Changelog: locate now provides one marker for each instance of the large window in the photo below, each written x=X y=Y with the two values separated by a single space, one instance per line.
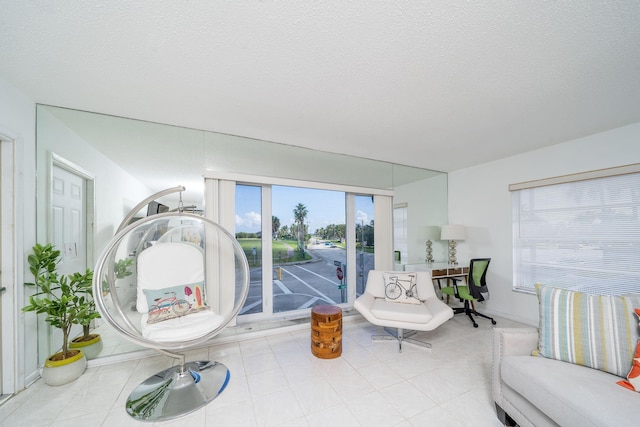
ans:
x=583 y=234
x=305 y=245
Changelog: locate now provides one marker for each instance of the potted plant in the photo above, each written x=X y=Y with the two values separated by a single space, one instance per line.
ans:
x=63 y=299
x=89 y=343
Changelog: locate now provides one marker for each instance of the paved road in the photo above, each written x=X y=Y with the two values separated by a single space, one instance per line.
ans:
x=303 y=285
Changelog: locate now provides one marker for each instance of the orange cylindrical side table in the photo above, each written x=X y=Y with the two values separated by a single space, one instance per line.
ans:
x=326 y=331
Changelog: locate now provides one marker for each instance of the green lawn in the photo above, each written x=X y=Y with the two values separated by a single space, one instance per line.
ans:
x=283 y=251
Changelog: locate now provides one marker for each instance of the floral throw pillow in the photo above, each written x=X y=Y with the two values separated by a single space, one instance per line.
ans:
x=633 y=378
x=174 y=301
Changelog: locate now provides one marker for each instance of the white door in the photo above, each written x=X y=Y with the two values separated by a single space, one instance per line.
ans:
x=68 y=233
x=69 y=219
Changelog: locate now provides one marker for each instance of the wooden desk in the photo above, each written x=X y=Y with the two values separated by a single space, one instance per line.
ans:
x=440 y=270
x=449 y=271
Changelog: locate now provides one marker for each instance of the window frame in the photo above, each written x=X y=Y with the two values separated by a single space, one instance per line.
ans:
x=584 y=243
x=220 y=207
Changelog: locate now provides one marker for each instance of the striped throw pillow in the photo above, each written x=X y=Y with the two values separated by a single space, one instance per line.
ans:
x=590 y=330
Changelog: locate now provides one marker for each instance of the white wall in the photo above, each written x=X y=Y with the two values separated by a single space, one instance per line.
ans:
x=480 y=199
x=18 y=121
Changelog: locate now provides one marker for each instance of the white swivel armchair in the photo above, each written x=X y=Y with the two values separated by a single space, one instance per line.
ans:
x=403 y=303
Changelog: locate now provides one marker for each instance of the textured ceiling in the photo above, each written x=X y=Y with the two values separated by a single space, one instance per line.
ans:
x=436 y=84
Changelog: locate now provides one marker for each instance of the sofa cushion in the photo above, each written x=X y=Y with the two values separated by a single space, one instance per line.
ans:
x=597 y=331
x=183 y=328
x=570 y=394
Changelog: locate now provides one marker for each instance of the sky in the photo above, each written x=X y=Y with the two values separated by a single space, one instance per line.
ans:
x=324 y=207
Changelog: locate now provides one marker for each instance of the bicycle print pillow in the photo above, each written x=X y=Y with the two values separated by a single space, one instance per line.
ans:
x=174 y=301
x=401 y=287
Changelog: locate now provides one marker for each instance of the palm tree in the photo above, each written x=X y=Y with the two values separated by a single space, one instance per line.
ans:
x=284 y=232
x=300 y=213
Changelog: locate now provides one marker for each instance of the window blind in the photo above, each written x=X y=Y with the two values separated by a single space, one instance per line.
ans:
x=582 y=235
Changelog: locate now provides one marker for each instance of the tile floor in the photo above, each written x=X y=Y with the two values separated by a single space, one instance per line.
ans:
x=276 y=381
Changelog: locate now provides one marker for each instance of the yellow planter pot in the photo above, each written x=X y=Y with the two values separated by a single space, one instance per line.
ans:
x=58 y=372
x=91 y=348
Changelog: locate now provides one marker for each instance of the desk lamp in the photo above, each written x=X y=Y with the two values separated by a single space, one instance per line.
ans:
x=452 y=233
x=432 y=234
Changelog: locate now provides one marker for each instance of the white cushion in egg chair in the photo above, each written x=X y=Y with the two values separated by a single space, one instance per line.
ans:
x=167 y=269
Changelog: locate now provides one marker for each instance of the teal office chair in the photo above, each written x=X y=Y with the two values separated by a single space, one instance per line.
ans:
x=475 y=289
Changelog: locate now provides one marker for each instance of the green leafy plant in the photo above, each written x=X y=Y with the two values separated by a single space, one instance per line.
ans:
x=65 y=300
x=88 y=313
x=121 y=269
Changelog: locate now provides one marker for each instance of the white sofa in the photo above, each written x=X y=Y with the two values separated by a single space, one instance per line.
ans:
x=537 y=391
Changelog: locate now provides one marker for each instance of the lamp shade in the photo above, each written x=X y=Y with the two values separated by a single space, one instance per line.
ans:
x=452 y=232
x=432 y=232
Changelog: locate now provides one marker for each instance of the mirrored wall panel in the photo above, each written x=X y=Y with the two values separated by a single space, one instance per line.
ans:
x=93 y=169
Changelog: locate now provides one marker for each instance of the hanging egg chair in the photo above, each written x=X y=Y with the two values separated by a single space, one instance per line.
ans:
x=170 y=282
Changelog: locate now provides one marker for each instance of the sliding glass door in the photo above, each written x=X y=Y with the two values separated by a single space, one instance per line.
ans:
x=248 y=220
x=307 y=256
x=365 y=239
